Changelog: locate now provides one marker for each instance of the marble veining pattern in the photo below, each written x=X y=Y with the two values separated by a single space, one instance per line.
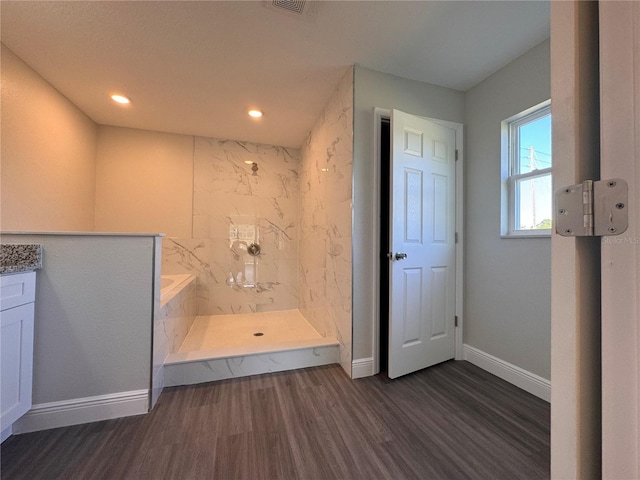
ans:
x=234 y=207
x=20 y=258
x=222 y=368
x=324 y=268
x=172 y=322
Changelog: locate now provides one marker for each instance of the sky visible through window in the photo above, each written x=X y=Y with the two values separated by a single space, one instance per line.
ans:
x=535 y=193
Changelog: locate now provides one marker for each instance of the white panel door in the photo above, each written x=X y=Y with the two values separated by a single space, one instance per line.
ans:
x=620 y=158
x=422 y=274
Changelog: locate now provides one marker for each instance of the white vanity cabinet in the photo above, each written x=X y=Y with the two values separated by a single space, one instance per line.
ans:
x=17 y=297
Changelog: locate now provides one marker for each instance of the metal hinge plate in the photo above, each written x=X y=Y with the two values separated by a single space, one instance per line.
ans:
x=456 y=321
x=592 y=209
x=456 y=154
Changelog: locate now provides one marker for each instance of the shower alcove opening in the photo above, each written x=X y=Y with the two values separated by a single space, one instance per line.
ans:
x=258 y=252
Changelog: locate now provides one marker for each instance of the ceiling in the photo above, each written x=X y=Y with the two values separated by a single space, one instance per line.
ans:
x=197 y=67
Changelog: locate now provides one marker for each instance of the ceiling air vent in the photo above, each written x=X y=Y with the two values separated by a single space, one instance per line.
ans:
x=305 y=10
x=292 y=6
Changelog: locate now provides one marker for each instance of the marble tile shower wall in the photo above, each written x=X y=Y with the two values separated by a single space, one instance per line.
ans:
x=325 y=270
x=233 y=207
x=171 y=324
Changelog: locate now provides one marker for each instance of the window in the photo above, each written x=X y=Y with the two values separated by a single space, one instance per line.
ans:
x=526 y=172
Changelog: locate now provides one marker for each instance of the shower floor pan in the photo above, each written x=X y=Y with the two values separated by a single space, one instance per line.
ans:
x=230 y=346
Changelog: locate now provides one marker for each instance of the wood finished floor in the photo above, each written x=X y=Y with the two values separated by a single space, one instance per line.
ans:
x=452 y=421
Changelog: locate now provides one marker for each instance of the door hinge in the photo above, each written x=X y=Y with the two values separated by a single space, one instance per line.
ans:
x=456 y=321
x=456 y=154
x=591 y=208
x=456 y=237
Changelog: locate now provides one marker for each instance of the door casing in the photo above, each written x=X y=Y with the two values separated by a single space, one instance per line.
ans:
x=378 y=115
x=575 y=261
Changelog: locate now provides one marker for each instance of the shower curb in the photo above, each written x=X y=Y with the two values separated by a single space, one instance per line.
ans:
x=202 y=370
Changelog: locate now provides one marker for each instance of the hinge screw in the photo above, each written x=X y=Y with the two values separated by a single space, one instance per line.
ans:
x=611 y=184
x=562 y=211
x=619 y=206
x=613 y=229
x=568 y=231
x=567 y=190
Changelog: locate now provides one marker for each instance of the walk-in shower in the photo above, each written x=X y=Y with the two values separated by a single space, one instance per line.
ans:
x=271 y=251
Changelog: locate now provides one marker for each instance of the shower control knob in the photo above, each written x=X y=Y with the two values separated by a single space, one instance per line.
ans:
x=253 y=249
x=401 y=256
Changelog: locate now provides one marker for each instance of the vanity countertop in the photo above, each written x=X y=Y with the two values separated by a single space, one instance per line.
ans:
x=20 y=258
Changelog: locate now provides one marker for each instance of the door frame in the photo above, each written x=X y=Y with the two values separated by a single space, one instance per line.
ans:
x=575 y=261
x=378 y=115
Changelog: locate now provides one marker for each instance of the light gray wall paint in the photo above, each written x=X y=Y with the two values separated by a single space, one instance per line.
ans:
x=375 y=89
x=507 y=307
x=93 y=315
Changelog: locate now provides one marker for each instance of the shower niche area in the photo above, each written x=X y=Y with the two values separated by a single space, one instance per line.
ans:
x=271 y=252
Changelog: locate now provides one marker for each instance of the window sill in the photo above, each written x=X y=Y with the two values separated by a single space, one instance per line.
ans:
x=525 y=235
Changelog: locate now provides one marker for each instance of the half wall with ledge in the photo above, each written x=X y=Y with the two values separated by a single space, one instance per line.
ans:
x=94 y=311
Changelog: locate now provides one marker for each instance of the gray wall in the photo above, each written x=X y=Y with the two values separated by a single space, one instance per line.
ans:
x=507 y=307
x=93 y=315
x=375 y=89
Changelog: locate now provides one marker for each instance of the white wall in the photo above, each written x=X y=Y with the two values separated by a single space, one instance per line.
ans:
x=48 y=155
x=375 y=89
x=144 y=181
x=507 y=281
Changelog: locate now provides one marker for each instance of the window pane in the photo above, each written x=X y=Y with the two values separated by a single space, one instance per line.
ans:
x=535 y=145
x=533 y=200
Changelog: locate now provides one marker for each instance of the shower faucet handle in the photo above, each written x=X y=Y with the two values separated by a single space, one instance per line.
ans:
x=253 y=249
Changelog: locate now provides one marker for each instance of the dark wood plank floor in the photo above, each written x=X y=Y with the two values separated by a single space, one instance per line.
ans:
x=452 y=421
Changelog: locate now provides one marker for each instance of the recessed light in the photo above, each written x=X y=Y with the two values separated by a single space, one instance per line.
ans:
x=255 y=113
x=121 y=99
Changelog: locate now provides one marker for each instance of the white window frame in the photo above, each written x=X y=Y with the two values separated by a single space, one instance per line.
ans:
x=510 y=177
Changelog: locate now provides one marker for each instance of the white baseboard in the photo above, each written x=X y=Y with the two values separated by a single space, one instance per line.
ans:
x=362 y=367
x=83 y=410
x=529 y=382
x=6 y=433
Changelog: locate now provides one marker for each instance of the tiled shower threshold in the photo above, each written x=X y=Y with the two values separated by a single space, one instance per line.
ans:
x=231 y=346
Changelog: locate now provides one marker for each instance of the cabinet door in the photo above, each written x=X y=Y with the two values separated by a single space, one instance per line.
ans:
x=16 y=363
x=17 y=289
